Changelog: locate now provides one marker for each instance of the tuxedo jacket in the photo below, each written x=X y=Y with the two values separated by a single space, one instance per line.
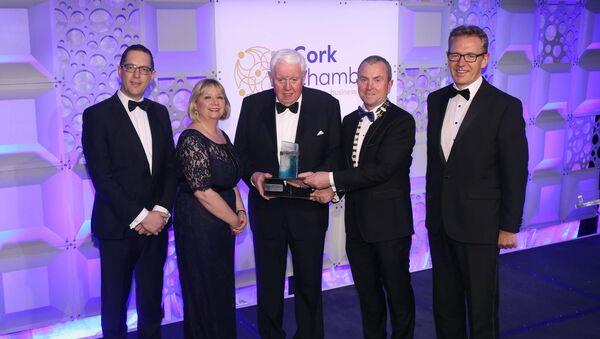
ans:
x=318 y=136
x=377 y=192
x=480 y=189
x=119 y=169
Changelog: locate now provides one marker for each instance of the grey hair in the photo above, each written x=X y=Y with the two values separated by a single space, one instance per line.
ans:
x=289 y=56
x=469 y=30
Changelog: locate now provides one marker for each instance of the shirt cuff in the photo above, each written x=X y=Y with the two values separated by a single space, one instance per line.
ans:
x=331 y=182
x=252 y=181
x=139 y=218
x=159 y=208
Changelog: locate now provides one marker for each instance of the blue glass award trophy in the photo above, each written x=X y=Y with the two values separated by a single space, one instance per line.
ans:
x=288 y=160
x=287 y=184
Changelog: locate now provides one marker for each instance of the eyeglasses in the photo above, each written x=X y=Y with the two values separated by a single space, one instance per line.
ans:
x=470 y=58
x=129 y=68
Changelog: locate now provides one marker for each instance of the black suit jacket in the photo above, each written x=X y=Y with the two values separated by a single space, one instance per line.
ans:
x=377 y=192
x=118 y=167
x=318 y=136
x=480 y=189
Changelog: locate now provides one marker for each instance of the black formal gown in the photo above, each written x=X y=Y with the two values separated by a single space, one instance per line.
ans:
x=204 y=243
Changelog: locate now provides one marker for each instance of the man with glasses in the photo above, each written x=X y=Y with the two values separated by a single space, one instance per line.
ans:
x=128 y=146
x=476 y=177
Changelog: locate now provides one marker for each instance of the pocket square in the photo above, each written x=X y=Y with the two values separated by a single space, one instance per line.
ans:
x=320 y=133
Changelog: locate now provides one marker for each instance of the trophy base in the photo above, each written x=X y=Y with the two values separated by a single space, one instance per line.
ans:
x=282 y=188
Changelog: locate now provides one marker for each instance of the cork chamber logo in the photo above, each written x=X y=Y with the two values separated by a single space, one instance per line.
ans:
x=251 y=70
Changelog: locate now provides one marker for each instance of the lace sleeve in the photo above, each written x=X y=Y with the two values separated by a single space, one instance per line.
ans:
x=193 y=157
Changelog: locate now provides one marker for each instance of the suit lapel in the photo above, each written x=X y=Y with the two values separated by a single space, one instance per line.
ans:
x=372 y=131
x=375 y=126
x=304 y=120
x=445 y=97
x=350 y=132
x=155 y=132
x=268 y=119
x=474 y=110
x=476 y=107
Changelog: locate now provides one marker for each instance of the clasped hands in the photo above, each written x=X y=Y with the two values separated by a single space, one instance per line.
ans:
x=320 y=181
x=237 y=224
x=152 y=224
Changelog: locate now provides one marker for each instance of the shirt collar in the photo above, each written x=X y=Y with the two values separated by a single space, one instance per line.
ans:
x=125 y=99
x=473 y=87
x=299 y=101
x=374 y=110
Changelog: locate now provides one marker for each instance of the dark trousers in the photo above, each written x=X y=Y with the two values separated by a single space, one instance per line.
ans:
x=465 y=282
x=307 y=259
x=381 y=271
x=145 y=257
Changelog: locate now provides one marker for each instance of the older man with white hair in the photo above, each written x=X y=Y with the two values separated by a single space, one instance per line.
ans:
x=289 y=112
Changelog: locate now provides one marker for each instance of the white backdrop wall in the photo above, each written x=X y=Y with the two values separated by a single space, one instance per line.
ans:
x=59 y=56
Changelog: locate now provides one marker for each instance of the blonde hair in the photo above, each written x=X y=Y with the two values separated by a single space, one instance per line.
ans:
x=199 y=90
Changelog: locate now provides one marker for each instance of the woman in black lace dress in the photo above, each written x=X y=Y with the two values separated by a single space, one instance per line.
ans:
x=208 y=214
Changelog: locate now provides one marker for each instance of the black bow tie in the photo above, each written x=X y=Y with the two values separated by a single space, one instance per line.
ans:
x=362 y=113
x=465 y=93
x=141 y=104
x=281 y=107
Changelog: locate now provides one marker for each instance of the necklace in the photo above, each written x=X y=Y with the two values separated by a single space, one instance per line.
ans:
x=215 y=134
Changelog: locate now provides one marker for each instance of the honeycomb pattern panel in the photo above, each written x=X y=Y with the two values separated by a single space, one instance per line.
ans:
x=579 y=150
x=414 y=85
x=480 y=13
x=595 y=157
x=92 y=36
x=174 y=93
x=558 y=33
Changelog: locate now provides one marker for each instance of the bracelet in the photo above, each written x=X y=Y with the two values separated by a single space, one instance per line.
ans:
x=238 y=211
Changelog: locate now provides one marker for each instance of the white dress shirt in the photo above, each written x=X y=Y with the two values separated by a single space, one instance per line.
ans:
x=139 y=119
x=286 y=124
x=455 y=113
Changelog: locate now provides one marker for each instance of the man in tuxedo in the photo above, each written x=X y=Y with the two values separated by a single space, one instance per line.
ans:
x=289 y=112
x=128 y=146
x=377 y=143
x=476 y=177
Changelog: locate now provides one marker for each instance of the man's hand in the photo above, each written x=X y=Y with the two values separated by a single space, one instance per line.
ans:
x=317 y=180
x=507 y=239
x=154 y=222
x=141 y=230
x=322 y=196
x=258 y=179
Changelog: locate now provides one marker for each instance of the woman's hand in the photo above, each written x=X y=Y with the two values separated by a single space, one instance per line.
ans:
x=242 y=221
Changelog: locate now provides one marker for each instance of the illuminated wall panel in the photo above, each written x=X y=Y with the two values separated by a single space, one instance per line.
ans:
x=57 y=57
